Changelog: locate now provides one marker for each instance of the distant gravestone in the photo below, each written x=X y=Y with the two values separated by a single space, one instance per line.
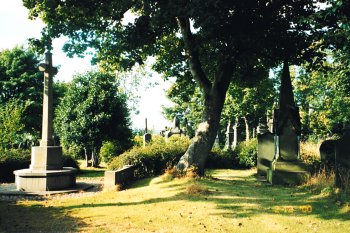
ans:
x=175 y=129
x=229 y=136
x=266 y=149
x=147 y=137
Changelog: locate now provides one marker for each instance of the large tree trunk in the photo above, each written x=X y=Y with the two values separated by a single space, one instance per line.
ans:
x=197 y=153
x=214 y=98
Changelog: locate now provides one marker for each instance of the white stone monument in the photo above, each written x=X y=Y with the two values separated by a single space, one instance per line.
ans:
x=46 y=172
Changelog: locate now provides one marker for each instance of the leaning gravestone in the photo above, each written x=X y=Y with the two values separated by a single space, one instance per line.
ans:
x=266 y=149
x=286 y=167
x=46 y=172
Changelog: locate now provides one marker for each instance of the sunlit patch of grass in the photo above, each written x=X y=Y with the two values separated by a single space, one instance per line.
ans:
x=237 y=202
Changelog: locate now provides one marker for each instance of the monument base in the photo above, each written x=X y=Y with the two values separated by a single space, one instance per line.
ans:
x=287 y=173
x=45 y=180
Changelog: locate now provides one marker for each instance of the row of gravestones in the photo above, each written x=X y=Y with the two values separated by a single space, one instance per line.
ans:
x=335 y=155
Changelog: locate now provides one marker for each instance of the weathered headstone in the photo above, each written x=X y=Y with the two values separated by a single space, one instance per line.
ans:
x=46 y=171
x=286 y=168
x=147 y=137
x=266 y=149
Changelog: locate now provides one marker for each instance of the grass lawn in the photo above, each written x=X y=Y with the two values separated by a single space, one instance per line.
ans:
x=232 y=201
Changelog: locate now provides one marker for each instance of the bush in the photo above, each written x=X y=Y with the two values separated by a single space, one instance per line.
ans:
x=16 y=159
x=109 y=150
x=11 y=160
x=247 y=153
x=154 y=158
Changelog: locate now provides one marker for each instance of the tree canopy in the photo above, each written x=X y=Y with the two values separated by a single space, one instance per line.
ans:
x=216 y=41
x=91 y=112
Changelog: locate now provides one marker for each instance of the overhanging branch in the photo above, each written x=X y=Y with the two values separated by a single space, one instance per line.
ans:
x=193 y=56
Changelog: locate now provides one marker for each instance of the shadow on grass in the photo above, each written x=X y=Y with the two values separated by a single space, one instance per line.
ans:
x=15 y=217
x=245 y=196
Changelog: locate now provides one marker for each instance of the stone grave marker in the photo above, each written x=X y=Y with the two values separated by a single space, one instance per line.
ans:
x=266 y=149
x=147 y=137
x=286 y=167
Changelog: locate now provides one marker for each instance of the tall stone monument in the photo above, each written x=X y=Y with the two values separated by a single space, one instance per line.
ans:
x=229 y=136
x=286 y=168
x=46 y=172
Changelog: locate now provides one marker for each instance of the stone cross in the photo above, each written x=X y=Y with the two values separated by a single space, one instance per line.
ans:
x=47 y=123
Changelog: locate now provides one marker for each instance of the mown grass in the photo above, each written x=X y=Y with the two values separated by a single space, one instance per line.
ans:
x=233 y=201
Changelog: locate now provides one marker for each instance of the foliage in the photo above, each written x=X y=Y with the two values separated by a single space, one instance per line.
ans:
x=154 y=158
x=209 y=43
x=11 y=124
x=21 y=79
x=324 y=95
x=16 y=159
x=247 y=153
x=109 y=150
x=93 y=111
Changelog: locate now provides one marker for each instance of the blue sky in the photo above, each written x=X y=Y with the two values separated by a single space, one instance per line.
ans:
x=16 y=28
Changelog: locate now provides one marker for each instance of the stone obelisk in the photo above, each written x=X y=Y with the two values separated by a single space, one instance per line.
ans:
x=286 y=168
x=46 y=172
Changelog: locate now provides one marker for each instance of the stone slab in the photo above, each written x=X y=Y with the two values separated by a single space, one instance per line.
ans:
x=121 y=176
x=286 y=177
x=11 y=190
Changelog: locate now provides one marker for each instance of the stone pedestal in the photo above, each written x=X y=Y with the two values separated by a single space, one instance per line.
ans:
x=45 y=180
x=287 y=173
x=46 y=158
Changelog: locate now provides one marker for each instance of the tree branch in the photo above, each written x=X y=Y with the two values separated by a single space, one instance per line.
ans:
x=194 y=62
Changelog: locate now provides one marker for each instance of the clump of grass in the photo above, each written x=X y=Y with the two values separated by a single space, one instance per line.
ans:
x=322 y=182
x=196 y=189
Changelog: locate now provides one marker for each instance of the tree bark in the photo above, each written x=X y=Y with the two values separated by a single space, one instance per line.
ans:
x=203 y=141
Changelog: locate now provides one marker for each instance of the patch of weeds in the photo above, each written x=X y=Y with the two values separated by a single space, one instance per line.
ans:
x=196 y=189
x=321 y=182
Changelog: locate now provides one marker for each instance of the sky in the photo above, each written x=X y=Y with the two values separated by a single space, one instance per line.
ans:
x=16 y=28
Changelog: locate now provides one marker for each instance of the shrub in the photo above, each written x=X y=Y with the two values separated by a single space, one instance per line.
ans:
x=247 y=153
x=219 y=158
x=154 y=158
x=16 y=159
x=109 y=150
